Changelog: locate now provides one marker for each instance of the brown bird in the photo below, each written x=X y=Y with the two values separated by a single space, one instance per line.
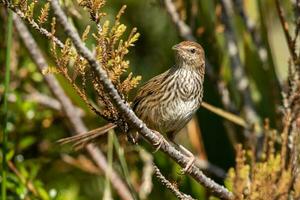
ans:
x=168 y=101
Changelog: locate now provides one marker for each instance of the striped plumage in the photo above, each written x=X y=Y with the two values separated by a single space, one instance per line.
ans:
x=167 y=102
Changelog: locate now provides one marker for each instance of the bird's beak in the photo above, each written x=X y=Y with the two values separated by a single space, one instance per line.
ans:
x=175 y=47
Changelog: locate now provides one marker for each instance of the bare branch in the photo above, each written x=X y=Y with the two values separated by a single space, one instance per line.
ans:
x=184 y=30
x=69 y=109
x=131 y=118
x=169 y=185
x=285 y=28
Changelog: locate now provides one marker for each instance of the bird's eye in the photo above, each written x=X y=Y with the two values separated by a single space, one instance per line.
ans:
x=193 y=50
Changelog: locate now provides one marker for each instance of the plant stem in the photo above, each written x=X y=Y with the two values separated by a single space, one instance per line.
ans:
x=110 y=153
x=120 y=153
x=5 y=109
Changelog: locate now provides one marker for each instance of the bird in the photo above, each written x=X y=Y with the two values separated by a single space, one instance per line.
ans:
x=168 y=101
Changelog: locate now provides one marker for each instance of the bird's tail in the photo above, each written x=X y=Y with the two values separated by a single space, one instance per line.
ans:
x=81 y=140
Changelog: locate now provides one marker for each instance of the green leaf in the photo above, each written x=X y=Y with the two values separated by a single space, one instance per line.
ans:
x=26 y=142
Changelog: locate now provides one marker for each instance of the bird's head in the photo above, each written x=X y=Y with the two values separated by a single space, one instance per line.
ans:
x=189 y=54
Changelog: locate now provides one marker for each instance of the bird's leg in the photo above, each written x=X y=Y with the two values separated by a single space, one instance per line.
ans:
x=184 y=151
x=191 y=159
x=160 y=141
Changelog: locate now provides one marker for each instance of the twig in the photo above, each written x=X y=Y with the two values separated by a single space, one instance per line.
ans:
x=296 y=6
x=239 y=75
x=169 y=185
x=285 y=28
x=183 y=29
x=69 y=109
x=33 y=24
x=147 y=183
x=124 y=108
x=226 y=115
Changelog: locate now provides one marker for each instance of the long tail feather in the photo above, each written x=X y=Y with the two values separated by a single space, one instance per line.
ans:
x=83 y=139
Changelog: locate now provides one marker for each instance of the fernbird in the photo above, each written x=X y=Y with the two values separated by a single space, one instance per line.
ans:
x=168 y=101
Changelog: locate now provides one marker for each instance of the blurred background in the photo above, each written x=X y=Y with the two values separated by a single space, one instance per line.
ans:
x=248 y=65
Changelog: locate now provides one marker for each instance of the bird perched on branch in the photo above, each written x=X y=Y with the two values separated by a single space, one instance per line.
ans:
x=168 y=101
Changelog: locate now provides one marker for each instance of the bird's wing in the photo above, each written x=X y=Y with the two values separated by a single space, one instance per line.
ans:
x=150 y=88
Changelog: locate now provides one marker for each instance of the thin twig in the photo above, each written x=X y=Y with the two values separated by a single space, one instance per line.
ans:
x=34 y=24
x=69 y=109
x=285 y=28
x=296 y=8
x=169 y=185
x=124 y=108
x=226 y=115
x=183 y=29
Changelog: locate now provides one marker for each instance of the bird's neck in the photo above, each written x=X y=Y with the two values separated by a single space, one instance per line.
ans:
x=198 y=69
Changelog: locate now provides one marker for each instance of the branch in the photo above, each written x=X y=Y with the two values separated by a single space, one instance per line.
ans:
x=33 y=24
x=285 y=28
x=69 y=109
x=183 y=28
x=128 y=114
x=226 y=115
x=169 y=185
x=296 y=8
x=239 y=75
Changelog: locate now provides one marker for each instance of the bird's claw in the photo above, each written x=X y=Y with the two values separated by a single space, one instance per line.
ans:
x=189 y=165
x=191 y=161
x=160 y=141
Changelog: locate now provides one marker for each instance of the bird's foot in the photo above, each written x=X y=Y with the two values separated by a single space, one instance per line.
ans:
x=188 y=167
x=191 y=161
x=160 y=141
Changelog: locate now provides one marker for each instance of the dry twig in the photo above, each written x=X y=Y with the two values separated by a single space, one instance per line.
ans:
x=169 y=185
x=285 y=28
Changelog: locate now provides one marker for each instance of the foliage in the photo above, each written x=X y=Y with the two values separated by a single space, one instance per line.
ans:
x=110 y=50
